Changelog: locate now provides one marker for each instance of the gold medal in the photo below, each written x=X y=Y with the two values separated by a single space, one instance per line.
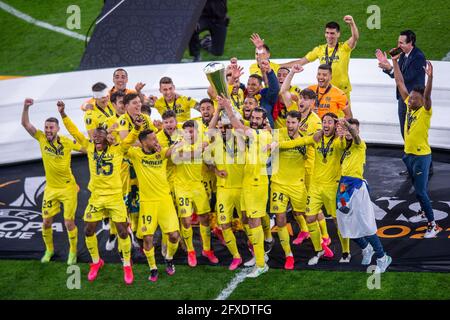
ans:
x=324 y=160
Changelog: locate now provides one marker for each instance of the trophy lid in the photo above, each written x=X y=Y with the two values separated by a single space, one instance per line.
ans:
x=213 y=67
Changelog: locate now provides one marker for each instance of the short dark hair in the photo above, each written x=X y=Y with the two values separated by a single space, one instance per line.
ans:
x=325 y=67
x=353 y=121
x=169 y=114
x=333 y=25
x=284 y=68
x=308 y=93
x=146 y=108
x=419 y=89
x=116 y=95
x=120 y=69
x=190 y=124
x=410 y=36
x=265 y=46
x=294 y=114
x=52 y=119
x=99 y=86
x=143 y=134
x=165 y=80
x=252 y=97
x=101 y=128
x=206 y=100
x=128 y=97
x=330 y=114
x=257 y=77
x=263 y=111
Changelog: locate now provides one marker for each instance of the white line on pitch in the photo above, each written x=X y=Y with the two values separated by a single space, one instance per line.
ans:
x=45 y=25
x=240 y=277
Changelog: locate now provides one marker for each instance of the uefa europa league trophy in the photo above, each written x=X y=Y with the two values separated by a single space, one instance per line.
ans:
x=215 y=72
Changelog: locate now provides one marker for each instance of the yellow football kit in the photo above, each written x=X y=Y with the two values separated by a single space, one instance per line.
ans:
x=416 y=128
x=182 y=106
x=339 y=66
x=105 y=182
x=353 y=160
x=99 y=117
x=156 y=206
x=288 y=175
x=60 y=187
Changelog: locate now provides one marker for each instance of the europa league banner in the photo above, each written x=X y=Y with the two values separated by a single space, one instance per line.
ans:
x=22 y=187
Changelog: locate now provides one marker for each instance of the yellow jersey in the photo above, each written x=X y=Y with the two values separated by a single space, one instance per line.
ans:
x=104 y=166
x=280 y=121
x=125 y=123
x=417 y=124
x=228 y=155
x=188 y=171
x=289 y=165
x=167 y=141
x=254 y=68
x=339 y=64
x=182 y=106
x=327 y=161
x=308 y=126
x=353 y=160
x=255 y=170
x=99 y=117
x=151 y=173
x=56 y=157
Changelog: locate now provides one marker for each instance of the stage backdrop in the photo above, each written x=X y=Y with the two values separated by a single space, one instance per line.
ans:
x=141 y=32
x=22 y=186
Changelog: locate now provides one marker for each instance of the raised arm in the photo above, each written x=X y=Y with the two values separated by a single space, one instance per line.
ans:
x=284 y=91
x=301 y=62
x=429 y=85
x=399 y=78
x=226 y=104
x=354 y=29
x=354 y=133
x=26 y=118
x=273 y=86
x=71 y=127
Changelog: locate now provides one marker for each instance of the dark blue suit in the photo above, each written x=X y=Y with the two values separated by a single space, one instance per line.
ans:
x=413 y=75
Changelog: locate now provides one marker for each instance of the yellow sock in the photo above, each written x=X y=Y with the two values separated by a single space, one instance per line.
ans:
x=247 y=230
x=257 y=238
x=314 y=232
x=47 y=235
x=150 y=254
x=187 y=236
x=301 y=222
x=125 y=246
x=92 y=246
x=73 y=240
x=165 y=239
x=283 y=234
x=171 y=249
x=323 y=228
x=265 y=222
x=205 y=232
x=345 y=243
x=112 y=228
x=230 y=241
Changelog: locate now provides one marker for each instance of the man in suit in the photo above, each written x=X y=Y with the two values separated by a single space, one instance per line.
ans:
x=412 y=62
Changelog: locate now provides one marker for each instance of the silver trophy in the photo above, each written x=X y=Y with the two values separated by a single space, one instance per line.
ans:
x=215 y=72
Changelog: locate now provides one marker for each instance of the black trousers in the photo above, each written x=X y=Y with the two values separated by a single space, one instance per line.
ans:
x=218 y=30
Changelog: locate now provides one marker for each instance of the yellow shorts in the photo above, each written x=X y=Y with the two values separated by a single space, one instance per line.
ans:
x=227 y=201
x=111 y=205
x=134 y=219
x=209 y=182
x=188 y=198
x=54 y=198
x=154 y=213
x=254 y=200
x=318 y=196
x=280 y=195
